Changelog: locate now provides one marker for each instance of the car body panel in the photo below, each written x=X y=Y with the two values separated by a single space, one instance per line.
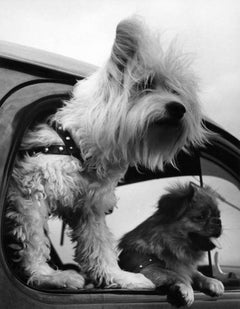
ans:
x=42 y=59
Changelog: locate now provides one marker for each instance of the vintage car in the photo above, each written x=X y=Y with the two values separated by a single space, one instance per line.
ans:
x=33 y=84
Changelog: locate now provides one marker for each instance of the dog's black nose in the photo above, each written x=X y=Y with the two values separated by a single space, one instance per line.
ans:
x=108 y=212
x=175 y=110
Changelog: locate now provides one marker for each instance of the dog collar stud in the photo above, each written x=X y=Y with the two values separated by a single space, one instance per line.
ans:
x=136 y=261
x=141 y=266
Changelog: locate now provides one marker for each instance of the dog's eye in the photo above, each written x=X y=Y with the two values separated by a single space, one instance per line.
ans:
x=171 y=90
x=200 y=217
x=147 y=85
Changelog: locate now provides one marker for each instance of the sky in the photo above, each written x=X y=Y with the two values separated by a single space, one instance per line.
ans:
x=84 y=29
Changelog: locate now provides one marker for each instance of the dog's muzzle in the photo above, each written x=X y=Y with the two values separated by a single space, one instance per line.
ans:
x=208 y=240
x=215 y=226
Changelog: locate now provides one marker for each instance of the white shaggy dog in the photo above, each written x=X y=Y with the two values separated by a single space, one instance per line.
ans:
x=140 y=108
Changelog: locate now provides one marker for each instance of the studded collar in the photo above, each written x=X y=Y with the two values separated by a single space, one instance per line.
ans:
x=134 y=261
x=69 y=148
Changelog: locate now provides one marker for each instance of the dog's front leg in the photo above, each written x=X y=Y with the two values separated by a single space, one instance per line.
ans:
x=210 y=286
x=97 y=256
x=179 y=289
x=30 y=238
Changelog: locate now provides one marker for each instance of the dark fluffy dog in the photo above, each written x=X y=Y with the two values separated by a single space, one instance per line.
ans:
x=168 y=246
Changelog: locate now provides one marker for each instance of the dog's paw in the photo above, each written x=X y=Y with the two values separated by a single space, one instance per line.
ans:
x=180 y=294
x=58 y=279
x=213 y=287
x=127 y=280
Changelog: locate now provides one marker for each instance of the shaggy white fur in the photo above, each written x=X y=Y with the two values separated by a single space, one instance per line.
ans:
x=140 y=108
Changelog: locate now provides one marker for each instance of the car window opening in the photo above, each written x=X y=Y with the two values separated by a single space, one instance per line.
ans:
x=212 y=265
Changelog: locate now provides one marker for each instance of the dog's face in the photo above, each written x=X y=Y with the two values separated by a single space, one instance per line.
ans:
x=142 y=105
x=193 y=214
x=158 y=108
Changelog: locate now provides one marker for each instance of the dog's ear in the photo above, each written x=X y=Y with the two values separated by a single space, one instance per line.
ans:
x=174 y=205
x=126 y=42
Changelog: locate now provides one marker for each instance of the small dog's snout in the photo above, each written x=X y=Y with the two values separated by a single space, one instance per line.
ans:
x=216 y=221
x=216 y=226
x=175 y=110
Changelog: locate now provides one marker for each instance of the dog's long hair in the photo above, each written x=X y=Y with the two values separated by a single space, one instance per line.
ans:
x=168 y=246
x=141 y=107
x=114 y=113
x=171 y=223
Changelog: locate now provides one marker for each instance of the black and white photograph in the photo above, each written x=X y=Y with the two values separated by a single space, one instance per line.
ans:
x=119 y=154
